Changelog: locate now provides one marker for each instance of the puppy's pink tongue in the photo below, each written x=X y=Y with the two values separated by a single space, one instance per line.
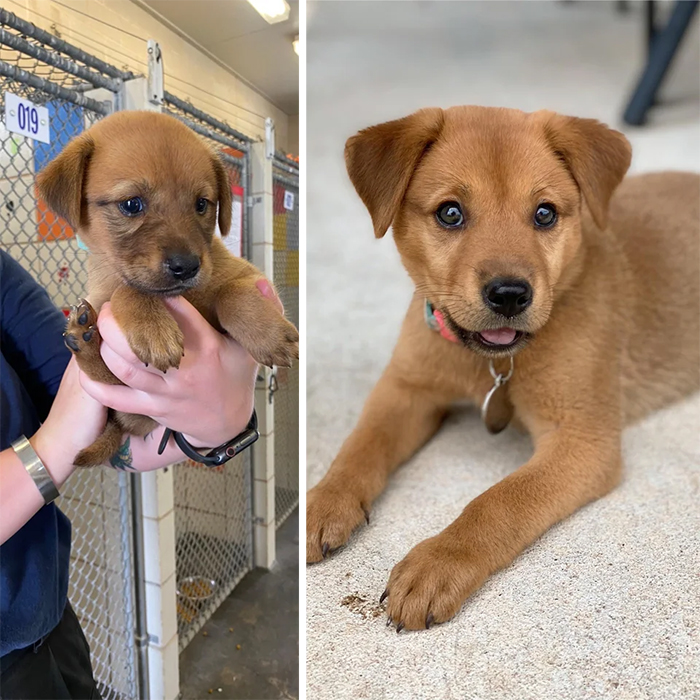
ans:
x=501 y=336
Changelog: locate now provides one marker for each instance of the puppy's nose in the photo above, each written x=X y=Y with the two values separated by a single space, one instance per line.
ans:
x=507 y=297
x=182 y=266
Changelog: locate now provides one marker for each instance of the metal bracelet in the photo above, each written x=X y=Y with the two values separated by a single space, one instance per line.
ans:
x=36 y=469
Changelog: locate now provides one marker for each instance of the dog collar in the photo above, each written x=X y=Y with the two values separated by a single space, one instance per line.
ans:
x=436 y=322
x=496 y=410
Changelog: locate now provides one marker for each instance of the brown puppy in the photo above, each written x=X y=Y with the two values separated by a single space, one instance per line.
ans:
x=141 y=190
x=507 y=224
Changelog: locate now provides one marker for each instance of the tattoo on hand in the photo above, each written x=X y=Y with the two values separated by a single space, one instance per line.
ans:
x=123 y=459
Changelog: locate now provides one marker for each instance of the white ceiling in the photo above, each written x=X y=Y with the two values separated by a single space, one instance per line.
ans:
x=235 y=34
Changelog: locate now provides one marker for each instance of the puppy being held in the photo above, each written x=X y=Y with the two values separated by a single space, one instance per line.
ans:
x=547 y=291
x=142 y=191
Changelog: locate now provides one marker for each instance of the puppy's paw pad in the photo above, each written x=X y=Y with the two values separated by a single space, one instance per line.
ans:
x=331 y=516
x=81 y=327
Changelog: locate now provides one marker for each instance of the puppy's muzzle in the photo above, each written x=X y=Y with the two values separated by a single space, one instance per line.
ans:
x=507 y=297
x=182 y=267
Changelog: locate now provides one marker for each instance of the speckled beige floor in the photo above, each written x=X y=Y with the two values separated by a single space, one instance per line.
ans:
x=605 y=605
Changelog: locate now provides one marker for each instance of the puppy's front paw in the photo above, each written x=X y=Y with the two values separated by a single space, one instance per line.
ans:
x=81 y=328
x=280 y=347
x=430 y=584
x=160 y=343
x=331 y=516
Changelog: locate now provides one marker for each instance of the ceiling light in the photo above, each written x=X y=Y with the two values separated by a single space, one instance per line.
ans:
x=295 y=44
x=272 y=11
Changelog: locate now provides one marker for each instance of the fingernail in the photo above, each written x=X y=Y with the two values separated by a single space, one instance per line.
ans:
x=399 y=627
x=429 y=621
x=366 y=515
x=384 y=596
x=388 y=622
x=324 y=549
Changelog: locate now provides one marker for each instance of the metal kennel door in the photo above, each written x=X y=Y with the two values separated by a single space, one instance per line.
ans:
x=213 y=507
x=285 y=191
x=37 y=66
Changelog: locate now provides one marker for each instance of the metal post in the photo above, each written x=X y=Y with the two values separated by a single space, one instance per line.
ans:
x=140 y=620
x=663 y=50
x=155 y=73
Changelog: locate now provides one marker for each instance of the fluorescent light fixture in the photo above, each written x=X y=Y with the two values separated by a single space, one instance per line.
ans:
x=295 y=44
x=272 y=11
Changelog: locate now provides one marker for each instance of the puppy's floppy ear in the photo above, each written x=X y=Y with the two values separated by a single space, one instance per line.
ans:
x=381 y=160
x=60 y=183
x=223 y=185
x=597 y=156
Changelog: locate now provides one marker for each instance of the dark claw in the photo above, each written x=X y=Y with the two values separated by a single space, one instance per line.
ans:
x=429 y=621
x=388 y=622
x=399 y=627
x=145 y=364
x=366 y=515
x=87 y=336
x=324 y=550
x=71 y=343
x=384 y=596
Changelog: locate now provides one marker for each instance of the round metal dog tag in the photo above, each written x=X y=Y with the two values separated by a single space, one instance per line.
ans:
x=497 y=410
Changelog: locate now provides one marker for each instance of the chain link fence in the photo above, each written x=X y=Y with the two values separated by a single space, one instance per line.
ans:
x=285 y=191
x=213 y=507
x=97 y=501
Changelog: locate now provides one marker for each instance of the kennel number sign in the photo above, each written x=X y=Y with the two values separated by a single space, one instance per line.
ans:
x=288 y=200
x=26 y=118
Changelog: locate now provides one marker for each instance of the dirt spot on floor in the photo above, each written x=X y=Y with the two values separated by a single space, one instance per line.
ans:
x=365 y=606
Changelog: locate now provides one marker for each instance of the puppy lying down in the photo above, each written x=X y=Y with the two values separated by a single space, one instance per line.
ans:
x=142 y=191
x=549 y=292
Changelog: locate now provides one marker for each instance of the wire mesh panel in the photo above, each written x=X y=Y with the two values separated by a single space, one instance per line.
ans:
x=213 y=507
x=213 y=534
x=95 y=500
x=285 y=190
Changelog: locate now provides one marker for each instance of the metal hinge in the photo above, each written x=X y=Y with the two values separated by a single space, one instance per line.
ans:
x=254 y=199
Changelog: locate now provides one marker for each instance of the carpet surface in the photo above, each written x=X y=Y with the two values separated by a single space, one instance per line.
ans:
x=607 y=603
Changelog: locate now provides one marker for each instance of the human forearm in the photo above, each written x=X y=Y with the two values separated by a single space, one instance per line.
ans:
x=20 y=499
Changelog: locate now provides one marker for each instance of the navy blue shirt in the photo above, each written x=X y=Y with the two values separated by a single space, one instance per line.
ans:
x=34 y=561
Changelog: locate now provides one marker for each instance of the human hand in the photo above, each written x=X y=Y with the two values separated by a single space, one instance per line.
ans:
x=209 y=398
x=75 y=421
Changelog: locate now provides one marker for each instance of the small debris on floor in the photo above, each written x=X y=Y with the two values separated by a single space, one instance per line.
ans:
x=362 y=605
x=230 y=629
x=238 y=647
x=205 y=634
x=210 y=691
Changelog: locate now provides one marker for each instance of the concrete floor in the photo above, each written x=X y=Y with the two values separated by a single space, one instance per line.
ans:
x=263 y=611
x=606 y=604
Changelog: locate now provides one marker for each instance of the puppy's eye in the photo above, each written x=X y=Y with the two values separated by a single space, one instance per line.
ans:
x=201 y=205
x=545 y=216
x=450 y=215
x=132 y=206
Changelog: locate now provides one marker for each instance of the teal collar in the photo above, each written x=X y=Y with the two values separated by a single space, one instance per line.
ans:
x=429 y=315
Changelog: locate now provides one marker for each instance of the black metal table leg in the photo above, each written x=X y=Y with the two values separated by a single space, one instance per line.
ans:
x=664 y=45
